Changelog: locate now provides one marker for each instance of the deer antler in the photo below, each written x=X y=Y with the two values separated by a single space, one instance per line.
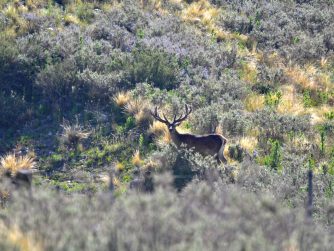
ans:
x=182 y=117
x=157 y=117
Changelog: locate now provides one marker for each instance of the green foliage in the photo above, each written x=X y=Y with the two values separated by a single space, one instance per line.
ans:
x=272 y=99
x=329 y=115
x=273 y=160
x=236 y=152
x=153 y=66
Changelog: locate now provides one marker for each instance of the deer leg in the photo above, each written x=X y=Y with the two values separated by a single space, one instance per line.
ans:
x=220 y=156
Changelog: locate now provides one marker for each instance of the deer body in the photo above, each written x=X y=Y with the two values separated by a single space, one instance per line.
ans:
x=211 y=144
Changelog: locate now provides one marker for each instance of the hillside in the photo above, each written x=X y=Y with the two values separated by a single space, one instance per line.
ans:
x=79 y=81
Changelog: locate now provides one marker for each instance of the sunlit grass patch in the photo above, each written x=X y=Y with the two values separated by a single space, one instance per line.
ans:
x=140 y=109
x=73 y=134
x=248 y=143
x=71 y=19
x=20 y=240
x=136 y=159
x=318 y=114
x=254 y=102
x=12 y=164
x=143 y=115
x=122 y=98
x=157 y=128
x=165 y=139
x=290 y=102
x=119 y=166
x=200 y=11
x=248 y=72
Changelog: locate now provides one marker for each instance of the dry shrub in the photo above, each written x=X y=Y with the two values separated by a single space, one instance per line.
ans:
x=73 y=134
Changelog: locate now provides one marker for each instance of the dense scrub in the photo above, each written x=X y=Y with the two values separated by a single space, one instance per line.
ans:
x=78 y=80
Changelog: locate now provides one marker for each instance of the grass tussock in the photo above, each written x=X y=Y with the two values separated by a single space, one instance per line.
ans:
x=290 y=103
x=157 y=128
x=12 y=164
x=18 y=240
x=254 y=102
x=122 y=98
x=73 y=134
x=136 y=159
x=201 y=11
x=249 y=143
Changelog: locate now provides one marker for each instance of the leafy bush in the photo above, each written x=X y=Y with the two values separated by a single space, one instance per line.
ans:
x=156 y=67
x=273 y=160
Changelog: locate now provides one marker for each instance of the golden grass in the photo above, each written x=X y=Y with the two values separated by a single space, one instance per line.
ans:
x=165 y=139
x=133 y=106
x=71 y=19
x=318 y=114
x=299 y=77
x=116 y=182
x=299 y=142
x=254 y=102
x=104 y=178
x=324 y=78
x=201 y=11
x=73 y=134
x=150 y=164
x=22 y=241
x=249 y=72
x=248 y=143
x=140 y=109
x=142 y=115
x=290 y=103
x=227 y=154
x=12 y=164
x=324 y=62
x=119 y=166
x=157 y=128
x=122 y=98
x=136 y=159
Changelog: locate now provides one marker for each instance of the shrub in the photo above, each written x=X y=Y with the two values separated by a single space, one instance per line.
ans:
x=273 y=160
x=153 y=66
x=275 y=126
x=235 y=123
x=135 y=220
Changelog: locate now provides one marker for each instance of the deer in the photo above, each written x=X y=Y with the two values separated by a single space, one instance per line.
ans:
x=209 y=144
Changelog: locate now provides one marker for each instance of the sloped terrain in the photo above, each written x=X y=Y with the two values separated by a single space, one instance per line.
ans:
x=78 y=80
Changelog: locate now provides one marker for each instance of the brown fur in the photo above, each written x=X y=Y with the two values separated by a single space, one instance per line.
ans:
x=211 y=144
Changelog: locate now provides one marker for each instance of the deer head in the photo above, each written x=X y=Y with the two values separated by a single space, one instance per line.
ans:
x=176 y=121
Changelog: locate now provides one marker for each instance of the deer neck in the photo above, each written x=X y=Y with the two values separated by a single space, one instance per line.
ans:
x=176 y=137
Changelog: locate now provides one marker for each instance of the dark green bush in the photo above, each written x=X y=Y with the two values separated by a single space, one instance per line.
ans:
x=153 y=66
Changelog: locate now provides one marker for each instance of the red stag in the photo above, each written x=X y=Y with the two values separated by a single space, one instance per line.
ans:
x=211 y=144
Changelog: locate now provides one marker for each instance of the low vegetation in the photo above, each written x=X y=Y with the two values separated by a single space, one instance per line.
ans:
x=78 y=82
